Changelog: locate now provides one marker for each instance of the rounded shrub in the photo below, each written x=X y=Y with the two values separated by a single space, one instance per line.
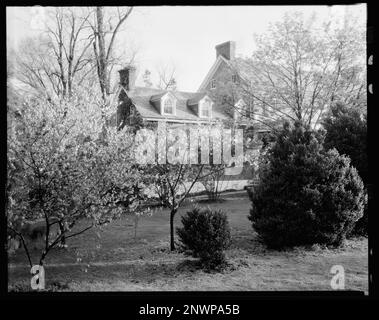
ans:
x=306 y=194
x=206 y=234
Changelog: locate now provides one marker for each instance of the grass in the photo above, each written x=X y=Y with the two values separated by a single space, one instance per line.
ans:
x=112 y=260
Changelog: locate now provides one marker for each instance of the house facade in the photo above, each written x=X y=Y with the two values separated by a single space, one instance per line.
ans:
x=228 y=83
x=146 y=105
x=219 y=98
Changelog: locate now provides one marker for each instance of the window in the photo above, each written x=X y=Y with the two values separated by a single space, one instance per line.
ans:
x=234 y=78
x=251 y=109
x=205 y=110
x=213 y=84
x=239 y=109
x=168 y=107
x=275 y=103
x=264 y=110
x=248 y=111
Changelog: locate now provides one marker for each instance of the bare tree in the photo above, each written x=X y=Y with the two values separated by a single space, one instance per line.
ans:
x=106 y=26
x=297 y=71
x=60 y=56
x=213 y=180
x=166 y=76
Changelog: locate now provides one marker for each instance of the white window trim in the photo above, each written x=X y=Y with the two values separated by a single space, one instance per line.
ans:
x=165 y=101
x=201 y=103
x=173 y=100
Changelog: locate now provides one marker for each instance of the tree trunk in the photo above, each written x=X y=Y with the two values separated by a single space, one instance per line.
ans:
x=102 y=60
x=172 y=234
x=62 y=231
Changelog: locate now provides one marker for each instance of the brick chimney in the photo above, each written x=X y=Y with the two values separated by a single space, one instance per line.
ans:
x=128 y=77
x=226 y=49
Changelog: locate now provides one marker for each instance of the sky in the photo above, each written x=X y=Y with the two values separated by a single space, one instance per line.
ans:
x=183 y=37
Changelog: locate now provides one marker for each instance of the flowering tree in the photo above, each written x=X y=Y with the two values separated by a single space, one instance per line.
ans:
x=171 y=179
x=180 y=165
x=212 y=180
x=301 y=68
x=213 y=172
x=65 y=164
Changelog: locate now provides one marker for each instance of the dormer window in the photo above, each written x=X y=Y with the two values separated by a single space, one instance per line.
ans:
x=168 y=107
x=165 y=103
x=201 y=105
x=205 y=112
x=205 y=108
x=213 y=84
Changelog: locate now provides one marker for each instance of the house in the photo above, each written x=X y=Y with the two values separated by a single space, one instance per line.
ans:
x=148 y=105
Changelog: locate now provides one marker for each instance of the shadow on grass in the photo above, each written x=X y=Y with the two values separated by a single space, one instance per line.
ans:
x=210 y=201
x=248 y=242
x=58 y=278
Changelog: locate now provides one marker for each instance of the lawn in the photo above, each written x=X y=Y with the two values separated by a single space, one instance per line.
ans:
x=112 y=259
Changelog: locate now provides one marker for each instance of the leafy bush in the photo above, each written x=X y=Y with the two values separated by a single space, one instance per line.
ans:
x=305 y=195
x=206 y=234
x=346 y=130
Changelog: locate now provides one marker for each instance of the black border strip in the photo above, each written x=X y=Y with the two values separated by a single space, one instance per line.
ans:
x=202 y=297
